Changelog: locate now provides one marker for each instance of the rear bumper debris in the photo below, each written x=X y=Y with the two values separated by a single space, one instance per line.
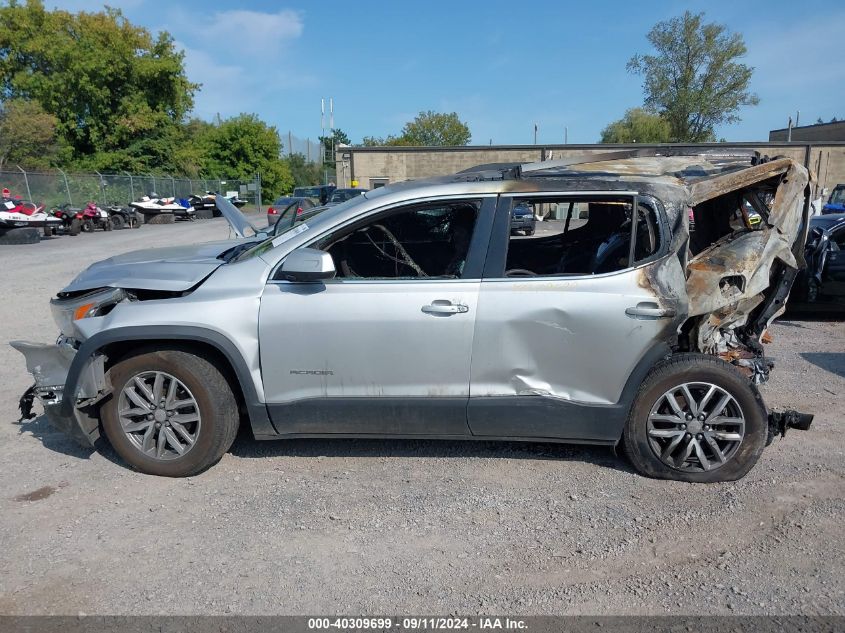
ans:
x=779 y=421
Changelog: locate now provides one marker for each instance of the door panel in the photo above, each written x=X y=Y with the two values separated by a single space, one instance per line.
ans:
x=552 y=355
x=384 y=347
x=550 y=345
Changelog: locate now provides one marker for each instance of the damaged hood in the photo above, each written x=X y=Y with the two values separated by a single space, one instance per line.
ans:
x=174 y=268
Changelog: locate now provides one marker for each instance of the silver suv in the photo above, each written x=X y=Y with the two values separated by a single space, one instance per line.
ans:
x=412 y=311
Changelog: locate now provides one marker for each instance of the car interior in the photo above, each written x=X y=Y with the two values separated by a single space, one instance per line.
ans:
x=421 y=242
x=601 y=243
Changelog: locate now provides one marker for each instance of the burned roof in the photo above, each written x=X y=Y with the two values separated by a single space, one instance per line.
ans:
x=702 y=175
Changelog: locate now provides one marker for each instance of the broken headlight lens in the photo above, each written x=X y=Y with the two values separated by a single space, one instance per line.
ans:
x=97 y=303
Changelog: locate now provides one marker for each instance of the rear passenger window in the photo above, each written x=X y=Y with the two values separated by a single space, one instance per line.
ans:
x=586 y=236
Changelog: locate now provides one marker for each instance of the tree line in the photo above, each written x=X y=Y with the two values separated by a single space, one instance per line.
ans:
x=92 y=91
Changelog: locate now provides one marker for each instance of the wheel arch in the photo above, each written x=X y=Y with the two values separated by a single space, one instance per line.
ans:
x=119 y=342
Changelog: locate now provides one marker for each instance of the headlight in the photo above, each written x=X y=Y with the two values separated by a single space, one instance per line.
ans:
x=96 y=303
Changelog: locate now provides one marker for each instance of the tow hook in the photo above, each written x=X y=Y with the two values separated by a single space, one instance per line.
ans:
x=779 y=421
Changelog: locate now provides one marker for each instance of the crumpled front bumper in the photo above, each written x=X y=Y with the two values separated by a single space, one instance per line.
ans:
x=50 y=365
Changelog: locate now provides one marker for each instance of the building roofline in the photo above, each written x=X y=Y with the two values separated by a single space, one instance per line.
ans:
x=585 y=146
x=807 y=127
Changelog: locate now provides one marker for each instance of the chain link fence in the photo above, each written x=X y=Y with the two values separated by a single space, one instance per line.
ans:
x=54 y=189
x=313 y=151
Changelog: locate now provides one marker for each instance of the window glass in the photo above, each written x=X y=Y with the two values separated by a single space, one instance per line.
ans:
x=577 y=236
x=421 y=242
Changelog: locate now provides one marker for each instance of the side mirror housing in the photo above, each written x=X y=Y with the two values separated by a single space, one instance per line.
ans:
x=307 y=264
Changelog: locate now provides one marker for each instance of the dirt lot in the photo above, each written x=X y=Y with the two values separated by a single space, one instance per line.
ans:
x=409 y=526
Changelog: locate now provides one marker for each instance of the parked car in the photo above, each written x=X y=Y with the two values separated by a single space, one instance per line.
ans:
x=821 y=285
x=319 y=194
x=410 y=311
x=342 y=195
x=288 y=205
x=836 y=201
x=522 y=219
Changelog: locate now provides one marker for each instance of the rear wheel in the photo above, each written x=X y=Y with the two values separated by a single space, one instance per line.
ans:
x=117 y=221
x=75 y=227
x=171 y=413
x=696 y=418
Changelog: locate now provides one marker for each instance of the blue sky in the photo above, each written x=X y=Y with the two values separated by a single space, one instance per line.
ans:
x=502 y=66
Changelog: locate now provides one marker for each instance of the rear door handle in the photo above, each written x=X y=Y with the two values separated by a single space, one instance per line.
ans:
x=650 y=310
x=443 y=306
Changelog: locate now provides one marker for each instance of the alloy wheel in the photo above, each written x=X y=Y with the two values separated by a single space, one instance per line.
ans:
x=696 y=426
x=159 y=415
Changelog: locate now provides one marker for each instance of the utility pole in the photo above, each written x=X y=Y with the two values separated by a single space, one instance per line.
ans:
x=535 y=134
x=565 y=135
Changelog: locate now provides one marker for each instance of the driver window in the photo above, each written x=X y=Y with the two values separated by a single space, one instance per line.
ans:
x=572 y=236
x=428 y=241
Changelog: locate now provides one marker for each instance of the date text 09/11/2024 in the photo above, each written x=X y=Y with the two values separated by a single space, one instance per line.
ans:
x=417 y=623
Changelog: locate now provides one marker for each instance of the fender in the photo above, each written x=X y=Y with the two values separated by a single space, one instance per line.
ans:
x=257 y=410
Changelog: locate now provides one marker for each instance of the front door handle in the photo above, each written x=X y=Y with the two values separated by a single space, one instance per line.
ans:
x=442 y=306
x=650 y=310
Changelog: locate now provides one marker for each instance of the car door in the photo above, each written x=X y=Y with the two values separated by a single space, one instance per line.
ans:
x=384 y=348
x=833 y=277
x=553 y=352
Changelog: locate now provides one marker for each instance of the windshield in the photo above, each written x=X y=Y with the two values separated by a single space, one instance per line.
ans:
x=307 y=192
x=254 y=249
x=838 y=196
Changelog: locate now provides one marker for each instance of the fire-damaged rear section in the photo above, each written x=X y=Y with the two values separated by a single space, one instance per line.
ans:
x=747 y=233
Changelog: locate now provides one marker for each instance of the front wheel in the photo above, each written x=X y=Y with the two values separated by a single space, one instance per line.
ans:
x=117 y=222
x=696 y=418
x=172 y=412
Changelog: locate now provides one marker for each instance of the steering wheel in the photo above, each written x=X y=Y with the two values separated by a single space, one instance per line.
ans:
x=520 y=272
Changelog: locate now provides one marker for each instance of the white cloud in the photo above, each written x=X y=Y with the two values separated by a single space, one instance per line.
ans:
x=253 y=32
x=240 y=57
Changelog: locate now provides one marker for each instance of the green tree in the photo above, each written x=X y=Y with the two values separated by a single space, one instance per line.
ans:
x=435 y=129
x=694 y=79
x=638 y=126
x=27 y=135
x=108 y=82
x=242 y=146
x=331 y=141
x=427 y=129
x=303 y=173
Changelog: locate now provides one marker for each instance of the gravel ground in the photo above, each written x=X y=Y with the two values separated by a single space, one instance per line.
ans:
x=354 y=527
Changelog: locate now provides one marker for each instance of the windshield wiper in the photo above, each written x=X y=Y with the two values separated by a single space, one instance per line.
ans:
x=233 y=252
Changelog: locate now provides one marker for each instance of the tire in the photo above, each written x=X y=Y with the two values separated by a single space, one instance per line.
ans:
x=49 y=231
x=648 y=442
x=87 y=226
x=204 y=214
x=75 y=227
x=24 y=235
x=140 y=218
x=529 y=232
x=201 y=381
x=161 y=218
x=117 y=222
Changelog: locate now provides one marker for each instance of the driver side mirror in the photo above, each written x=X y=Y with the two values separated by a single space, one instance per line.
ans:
x=307 y=264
